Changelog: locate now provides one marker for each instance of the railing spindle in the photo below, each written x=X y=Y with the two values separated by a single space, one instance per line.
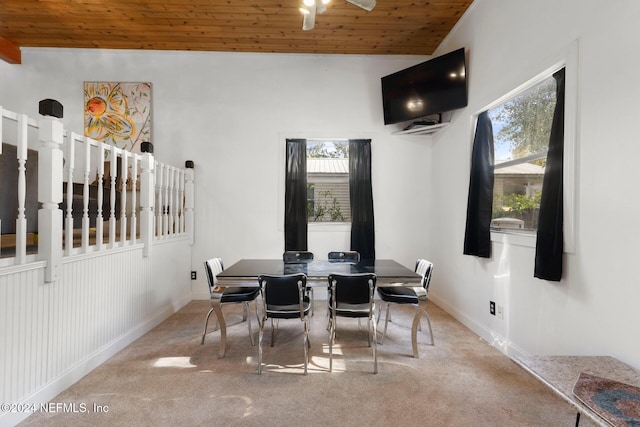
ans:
x=85 y=195
x=71 y=159
x=113 y=170
x=99 y=215
x=123 y=199
x=21 y=220
x=134 y=198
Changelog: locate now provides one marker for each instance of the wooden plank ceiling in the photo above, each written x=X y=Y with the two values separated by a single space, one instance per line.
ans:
x=403 y=27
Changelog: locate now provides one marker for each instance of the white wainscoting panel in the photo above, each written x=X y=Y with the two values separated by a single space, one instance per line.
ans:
x=52 y=334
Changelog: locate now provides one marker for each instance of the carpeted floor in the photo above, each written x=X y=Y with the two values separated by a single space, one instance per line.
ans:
x=167 y=378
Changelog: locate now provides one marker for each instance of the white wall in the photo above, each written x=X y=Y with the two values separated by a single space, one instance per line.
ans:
x=230 y=113
x=593 y=310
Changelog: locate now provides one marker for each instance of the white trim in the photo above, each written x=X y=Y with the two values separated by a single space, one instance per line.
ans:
x=571 y=123
x=512 y=237
x=569 y=59
x=328 y=226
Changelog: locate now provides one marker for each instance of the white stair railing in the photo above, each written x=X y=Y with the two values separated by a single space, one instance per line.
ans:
x=156 y=200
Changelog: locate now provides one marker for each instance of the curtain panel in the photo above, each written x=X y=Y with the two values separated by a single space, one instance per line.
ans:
x=477 y=236
x=295 y=196
x=361 y=194
x=550 y=237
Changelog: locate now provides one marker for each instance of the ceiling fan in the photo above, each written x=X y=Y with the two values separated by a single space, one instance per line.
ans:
x=311 y=7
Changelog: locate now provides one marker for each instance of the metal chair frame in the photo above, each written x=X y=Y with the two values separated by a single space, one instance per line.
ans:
x=424 y=268
x=343 y=303
x=284 y=308
x=212 y=266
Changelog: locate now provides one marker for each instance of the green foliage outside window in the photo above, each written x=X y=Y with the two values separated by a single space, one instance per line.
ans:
x=327 y=205
x=526 y=121
x=518 y=206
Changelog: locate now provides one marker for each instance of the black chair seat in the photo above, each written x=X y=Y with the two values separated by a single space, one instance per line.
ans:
x=398 y=295
x=239 y=294
x=288 y=311
x=350 y=310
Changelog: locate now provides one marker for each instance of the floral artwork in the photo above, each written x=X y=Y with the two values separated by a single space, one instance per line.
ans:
x=118 y=113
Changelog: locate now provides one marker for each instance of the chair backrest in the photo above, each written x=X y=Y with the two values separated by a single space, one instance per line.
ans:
x=213 y=267
x=283 y=290
x=349 y=256
x=291 y=257
x=352 y=288
x=424 y=268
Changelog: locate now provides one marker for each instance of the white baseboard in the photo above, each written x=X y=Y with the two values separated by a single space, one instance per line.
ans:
x=64 y=381
x=491 y=337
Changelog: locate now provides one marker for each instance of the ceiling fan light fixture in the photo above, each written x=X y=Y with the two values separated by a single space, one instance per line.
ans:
x=309 y=3
x=309 y=20
x=304 y=11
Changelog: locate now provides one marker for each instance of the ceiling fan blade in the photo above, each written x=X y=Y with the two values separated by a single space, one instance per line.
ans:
x=367 y=5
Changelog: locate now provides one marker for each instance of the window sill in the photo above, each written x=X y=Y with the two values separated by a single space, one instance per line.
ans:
x=518 y=238
x=328 y=226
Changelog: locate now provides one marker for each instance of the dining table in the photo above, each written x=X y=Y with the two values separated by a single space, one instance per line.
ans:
x=388 y=273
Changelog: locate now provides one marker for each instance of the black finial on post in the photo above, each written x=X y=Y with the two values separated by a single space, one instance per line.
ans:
x=189 y=164
x=50 y=107
x=146 y=147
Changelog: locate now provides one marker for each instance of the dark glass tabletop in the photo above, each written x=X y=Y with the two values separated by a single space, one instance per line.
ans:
x=385 y=269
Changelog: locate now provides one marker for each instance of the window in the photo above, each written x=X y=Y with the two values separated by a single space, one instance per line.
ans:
x=353 y=213
x=487 y=161
x=328 y=181
x=521 y=130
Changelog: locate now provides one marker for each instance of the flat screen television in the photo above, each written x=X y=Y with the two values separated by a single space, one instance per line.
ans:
x=432 y=87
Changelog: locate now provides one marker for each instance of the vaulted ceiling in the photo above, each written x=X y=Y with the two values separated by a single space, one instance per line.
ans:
x=403 y=27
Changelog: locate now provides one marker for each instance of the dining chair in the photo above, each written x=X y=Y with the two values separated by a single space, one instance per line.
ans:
x=236 y=295
x=406 y=295
x=294 y=257
x=284 y=297
x=346 y=256
x=297 y=257
x=351 y=295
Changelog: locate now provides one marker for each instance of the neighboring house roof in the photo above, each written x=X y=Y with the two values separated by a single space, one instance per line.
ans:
x=520 y=169
x=328 y=166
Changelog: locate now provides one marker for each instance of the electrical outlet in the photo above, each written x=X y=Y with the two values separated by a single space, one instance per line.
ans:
x=193 y=275
x=492 y=308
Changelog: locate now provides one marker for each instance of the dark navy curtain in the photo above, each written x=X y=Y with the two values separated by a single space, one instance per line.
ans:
x=361 y=195
x=549 y=242
x=295 y=196
x=477 y=236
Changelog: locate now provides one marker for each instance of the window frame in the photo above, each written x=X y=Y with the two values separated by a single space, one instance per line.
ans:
x=567 y=59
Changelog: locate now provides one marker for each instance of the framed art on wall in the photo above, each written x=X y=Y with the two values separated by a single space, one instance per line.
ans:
x=118 y=113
